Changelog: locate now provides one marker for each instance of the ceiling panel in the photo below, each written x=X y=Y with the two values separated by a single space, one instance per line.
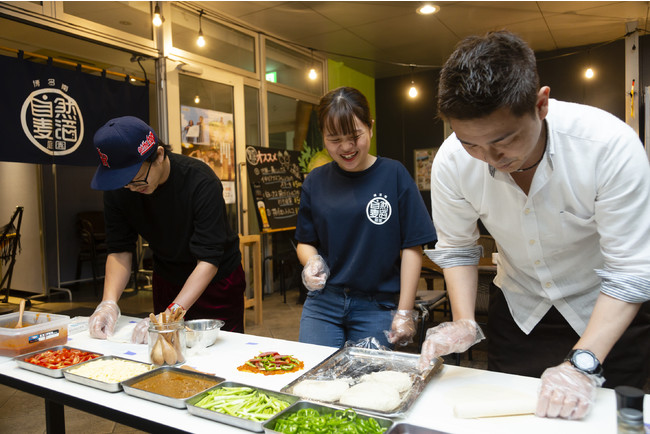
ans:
x=385 y=32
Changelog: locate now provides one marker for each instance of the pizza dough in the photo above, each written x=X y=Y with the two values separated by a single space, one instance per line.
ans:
x=401 y=381
x=321 y=390
x=371 y=395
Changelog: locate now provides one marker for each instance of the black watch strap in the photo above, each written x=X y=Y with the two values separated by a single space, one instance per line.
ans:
x=577 y=358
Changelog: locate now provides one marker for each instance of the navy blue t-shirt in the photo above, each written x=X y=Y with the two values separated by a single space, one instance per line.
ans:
x=360 y=221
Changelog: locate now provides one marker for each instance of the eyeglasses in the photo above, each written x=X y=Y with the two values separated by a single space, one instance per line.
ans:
x=140 y=182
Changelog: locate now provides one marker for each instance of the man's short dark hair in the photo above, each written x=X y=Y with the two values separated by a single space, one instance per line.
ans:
x=486 y=73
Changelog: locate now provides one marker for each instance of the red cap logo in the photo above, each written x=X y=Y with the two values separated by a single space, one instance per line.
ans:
x=147 y=143
x=104 y=158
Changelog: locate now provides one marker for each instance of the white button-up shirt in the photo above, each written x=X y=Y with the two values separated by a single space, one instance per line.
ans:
x=588 y=209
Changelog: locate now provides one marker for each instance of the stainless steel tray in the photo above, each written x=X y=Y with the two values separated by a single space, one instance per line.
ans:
x=352 y=363
x=56 y=373
x=129 y=388
x=322 y=410
x=103 y=385
x=406 y=428
x=239 y=422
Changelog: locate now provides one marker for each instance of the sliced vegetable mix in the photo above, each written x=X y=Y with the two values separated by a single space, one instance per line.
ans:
x=310 y=421
x=244 y=402
x=271 y=363
x=58 y=359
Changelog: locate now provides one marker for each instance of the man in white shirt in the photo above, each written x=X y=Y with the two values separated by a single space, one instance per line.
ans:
x=565 y=191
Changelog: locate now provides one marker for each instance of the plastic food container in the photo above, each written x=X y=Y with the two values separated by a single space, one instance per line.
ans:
x=57 y=373
x=322 y=410
x=40 y=331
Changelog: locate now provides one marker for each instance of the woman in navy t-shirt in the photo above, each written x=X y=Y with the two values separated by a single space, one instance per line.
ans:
x=361 y=225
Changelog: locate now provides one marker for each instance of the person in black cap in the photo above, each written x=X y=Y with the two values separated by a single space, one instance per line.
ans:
x=176 y=203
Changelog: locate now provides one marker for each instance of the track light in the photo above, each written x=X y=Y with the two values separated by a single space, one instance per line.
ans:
x=200 y=41
x=157 y=18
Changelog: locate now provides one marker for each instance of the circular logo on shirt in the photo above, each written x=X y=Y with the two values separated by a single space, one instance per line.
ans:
x=378 y=209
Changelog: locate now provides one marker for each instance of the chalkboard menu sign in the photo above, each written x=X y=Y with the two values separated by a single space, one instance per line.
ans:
x=275 y=179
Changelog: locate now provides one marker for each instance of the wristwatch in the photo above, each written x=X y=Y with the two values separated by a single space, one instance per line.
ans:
x=584 y=361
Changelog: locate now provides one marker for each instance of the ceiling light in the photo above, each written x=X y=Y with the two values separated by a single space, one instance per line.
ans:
x=589 y=73
x=427 y=9
x=200 y=41
x=157 y=18
x=197 y=99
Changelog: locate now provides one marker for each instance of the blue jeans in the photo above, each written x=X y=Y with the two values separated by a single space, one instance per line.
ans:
x=333 y=316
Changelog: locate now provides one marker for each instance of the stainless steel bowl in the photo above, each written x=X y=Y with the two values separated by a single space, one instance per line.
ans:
x=202 y=333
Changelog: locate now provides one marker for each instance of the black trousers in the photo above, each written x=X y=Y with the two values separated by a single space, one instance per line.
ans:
x=511 y=350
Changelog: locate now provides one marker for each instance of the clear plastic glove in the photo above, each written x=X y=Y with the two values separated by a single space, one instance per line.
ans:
x=140 y=333
x=102 y=322
x=566 y=392
x=315 y=273
x=403 y=327
x=449 y=337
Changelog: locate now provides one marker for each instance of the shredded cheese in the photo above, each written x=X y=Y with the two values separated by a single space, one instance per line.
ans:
x=111 y=371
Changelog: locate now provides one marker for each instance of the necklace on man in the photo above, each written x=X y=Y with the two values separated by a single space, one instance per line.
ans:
x=534 y=165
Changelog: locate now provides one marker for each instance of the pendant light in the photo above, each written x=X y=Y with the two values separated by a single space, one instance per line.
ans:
x=200 y=41
x=157 y=18
x=313 y=75
x=413 y=91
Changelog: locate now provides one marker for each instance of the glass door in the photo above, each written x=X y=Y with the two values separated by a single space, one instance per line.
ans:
x=207 y=122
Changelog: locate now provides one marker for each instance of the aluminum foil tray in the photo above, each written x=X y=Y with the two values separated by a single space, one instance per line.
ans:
x=103 y=385
x=228 y=419
x=352 y=363
x=322 y=409
x=129 y=388
x=56 y=373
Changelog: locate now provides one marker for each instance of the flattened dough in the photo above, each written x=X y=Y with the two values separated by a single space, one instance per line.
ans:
x=371 y=395
x=321 y=390
x=399 y=380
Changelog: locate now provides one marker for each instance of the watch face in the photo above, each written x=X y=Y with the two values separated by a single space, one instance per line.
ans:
x=584 y=361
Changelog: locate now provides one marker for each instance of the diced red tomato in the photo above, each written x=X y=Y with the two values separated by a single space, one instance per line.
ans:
x=61 y=358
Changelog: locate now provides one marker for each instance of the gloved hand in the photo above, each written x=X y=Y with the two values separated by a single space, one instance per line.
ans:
x=449 y=337
x=566 y=392
x=315 y=273
x=403 y=327
x=102 y=322
x=140 y=333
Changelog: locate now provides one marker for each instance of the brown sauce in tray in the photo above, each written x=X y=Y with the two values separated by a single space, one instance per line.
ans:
x=174 y=384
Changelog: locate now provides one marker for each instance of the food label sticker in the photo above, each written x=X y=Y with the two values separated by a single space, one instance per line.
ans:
x=43 y=336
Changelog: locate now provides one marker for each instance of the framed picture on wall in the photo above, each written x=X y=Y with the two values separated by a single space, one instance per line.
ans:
x=423 y=159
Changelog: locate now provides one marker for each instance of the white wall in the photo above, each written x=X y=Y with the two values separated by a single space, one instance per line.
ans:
x=19 y=186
